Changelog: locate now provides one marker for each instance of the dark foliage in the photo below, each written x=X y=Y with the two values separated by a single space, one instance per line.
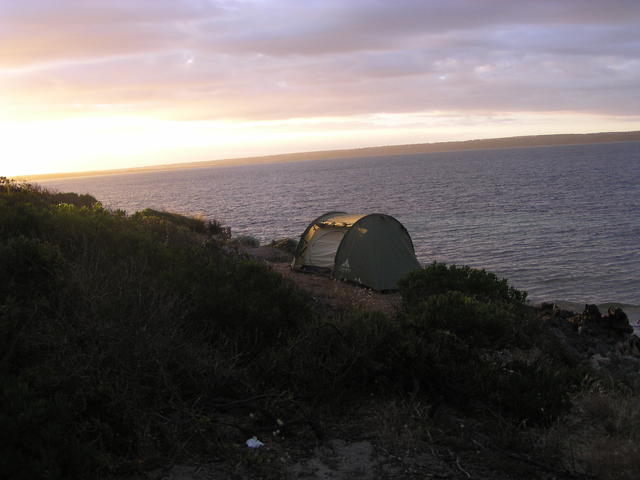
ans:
x=110 y=323
x=439 y=278
x=19 y=193
x=123 y=338
x=197 y=225
x=467 y=327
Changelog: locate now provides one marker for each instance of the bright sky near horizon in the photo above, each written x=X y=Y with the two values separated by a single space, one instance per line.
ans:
x=101 y=84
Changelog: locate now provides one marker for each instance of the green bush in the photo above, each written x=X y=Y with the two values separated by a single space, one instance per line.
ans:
x=119 y=334
x=246 y=301
x=480 y=324
x=340 y=357
x=20 y=192
x=30 y=268
x=38 y=434
x=439 y=278
x=536 y=392
x=109 y=326
x=287 y=245
x=194 y=224
x=244 y=241
x=463 y=322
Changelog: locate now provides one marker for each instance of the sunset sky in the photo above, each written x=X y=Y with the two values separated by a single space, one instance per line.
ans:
x=100 y=84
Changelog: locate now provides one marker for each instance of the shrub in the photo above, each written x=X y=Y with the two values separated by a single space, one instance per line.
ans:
x=342 y=356
x=38 y=434
x=30 y=267
x=21 y=192
x=287 y=245
x=464 y=323
x=194 y=224
x=439 y=278
x=479 y=324
x=119 y=334
x=244 y=241
x=243 y=300
x=534 y=392
x=110 y=326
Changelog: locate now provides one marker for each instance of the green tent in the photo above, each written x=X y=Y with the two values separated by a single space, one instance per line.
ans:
x=373 y=250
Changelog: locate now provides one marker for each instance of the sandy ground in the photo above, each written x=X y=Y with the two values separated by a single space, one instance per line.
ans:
x=324 y=290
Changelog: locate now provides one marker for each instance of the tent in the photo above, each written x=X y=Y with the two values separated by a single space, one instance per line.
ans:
x=373 y=250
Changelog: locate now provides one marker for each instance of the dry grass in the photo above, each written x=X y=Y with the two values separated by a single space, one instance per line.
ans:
x=600 y=438
x=340 y=295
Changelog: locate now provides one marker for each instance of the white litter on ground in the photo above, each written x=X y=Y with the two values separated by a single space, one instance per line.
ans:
x=253 y=442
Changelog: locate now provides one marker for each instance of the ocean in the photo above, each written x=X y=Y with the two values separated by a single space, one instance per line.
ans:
x=561 y=222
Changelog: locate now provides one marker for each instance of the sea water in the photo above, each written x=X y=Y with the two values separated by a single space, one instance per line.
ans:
x=562 y=222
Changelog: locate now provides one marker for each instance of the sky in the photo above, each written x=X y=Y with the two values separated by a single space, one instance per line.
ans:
x=103 y=84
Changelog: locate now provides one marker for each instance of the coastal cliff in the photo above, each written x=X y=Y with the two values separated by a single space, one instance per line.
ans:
x=153 y=345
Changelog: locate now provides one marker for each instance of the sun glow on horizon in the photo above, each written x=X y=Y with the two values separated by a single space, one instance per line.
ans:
x=114 y=142
x=115 y=84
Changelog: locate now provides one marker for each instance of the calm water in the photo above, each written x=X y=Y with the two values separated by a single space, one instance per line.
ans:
x=562 y=223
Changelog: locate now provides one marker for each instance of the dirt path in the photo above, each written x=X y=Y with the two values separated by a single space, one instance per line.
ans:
x=333 y=293
x=340 y=295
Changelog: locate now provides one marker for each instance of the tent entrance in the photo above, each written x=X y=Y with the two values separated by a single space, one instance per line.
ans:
x=322 y=247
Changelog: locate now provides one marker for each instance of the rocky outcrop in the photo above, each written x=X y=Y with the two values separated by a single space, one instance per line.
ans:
x=618 y=321
x=601 y=341
x=592 y=322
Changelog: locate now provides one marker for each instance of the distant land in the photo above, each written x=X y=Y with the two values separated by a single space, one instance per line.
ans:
x=483 y=144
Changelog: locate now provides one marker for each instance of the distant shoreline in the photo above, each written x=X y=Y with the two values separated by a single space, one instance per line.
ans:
x=410 y=149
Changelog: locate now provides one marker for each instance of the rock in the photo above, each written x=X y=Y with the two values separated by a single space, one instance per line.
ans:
x=603 y=342
x=575 y=320
x=588 y=320
x=559 y=312
x=591 y=317
x=618 y=321
x=591 y=321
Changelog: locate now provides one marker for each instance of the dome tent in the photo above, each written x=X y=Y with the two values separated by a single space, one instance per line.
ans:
x=373 y=250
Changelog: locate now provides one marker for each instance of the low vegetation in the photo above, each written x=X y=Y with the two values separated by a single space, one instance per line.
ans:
x=194 y=224
x=244 y=241
x=132 y=340
x=287 y=245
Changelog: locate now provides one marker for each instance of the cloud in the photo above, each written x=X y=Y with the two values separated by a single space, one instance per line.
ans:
x=41 y=31
x=243 y=60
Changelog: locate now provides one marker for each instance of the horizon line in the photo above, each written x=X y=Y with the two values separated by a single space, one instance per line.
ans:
x=521 y=141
